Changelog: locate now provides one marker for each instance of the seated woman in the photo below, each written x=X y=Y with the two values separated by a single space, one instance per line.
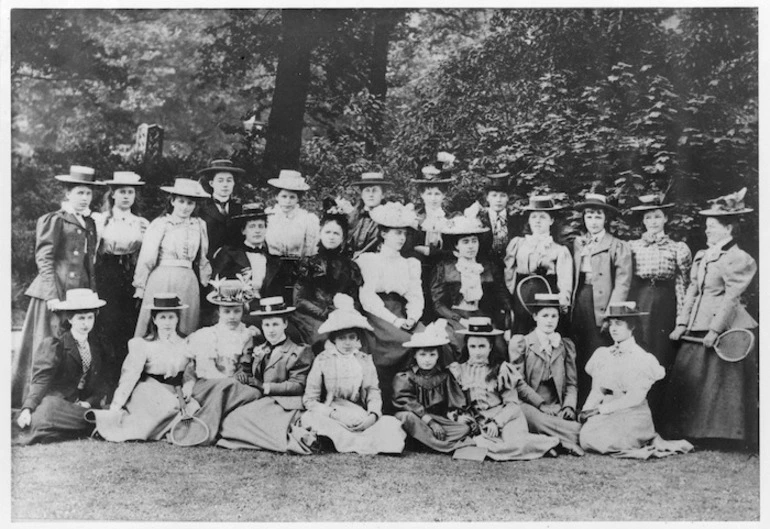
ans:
x=617 y=418
x=546 y=361
x=146 y=402
x=67 y=374
x=495 y=407
x=463 y=287
x=426 y=394
x=323 y=275
x=278 y=369
x=342 y=395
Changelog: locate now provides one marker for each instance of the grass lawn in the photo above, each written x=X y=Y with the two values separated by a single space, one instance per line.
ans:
x=95 y=480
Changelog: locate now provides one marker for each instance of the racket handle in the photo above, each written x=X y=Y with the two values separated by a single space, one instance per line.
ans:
x=692 y=339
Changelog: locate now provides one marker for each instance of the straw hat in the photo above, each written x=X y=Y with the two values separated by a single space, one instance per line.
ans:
x=651 y=202
x=497 y=182
x=731 y=204
x=394 y=215
x=124 y=179
x=372 y=179
x=221 y=166
x=228 y=292
x=623 y=309
x=186 y=187
x=542 y=301
x=79 y=299
x=344 y=316
x=463 y=225
x=80 y=175
x=273 y=306
x=289 y=180
x=434 y=335
x=253 y=211
x=542 y=203
x=480 y=326
x=165 y=301
x=596 y=201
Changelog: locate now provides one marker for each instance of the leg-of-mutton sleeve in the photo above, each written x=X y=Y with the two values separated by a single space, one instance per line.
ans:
x=624 y=271
x=509 y=271
x=438 y=293
x=405 y=395
x=372 y=266
x=693 y=290
x=312 y=234
x=682 y=274
x=297 y=375
x=204 y=266
x=370 y=387
x=415 y=301
x=148 y=255
x=564 y=278
x=517 y=355
x=46 y=363
x=314 y=386
x=48 y=233
x=133 y=367
x=570 y=374
x=739 y=269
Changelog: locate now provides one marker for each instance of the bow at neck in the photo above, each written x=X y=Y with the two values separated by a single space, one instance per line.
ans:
x=255 y=249
x=654 y=238
x=66 y=206
x=626 y=346
x=549 y=342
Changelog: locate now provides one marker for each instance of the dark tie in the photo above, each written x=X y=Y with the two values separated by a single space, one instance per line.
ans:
x=222 y=206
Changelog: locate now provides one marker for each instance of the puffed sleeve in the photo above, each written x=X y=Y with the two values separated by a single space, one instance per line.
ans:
x=100 y=221
x=46 y=363
x=133 y=367
x=415 y=301
x=204 y=266
x=405 y=395
x=693 y=291
x=738 y=271
x=148 y=255
x=369 y=264
x=646 y=371
x=624 y=269
x=314 y=387
x=517 y=354
x=371 y=385
x=596 y=362
x=509 y=272
x=312 y=234
x=564 y=279
x=682 y=274
x=297 y=375
x=570 y=374
x=455 y=394
x=48 y=235
x=438 y=291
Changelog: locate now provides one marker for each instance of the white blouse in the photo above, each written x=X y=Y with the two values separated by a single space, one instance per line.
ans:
x=387 y=271
x=293 y=235
x=121 y=233
x=217 y=350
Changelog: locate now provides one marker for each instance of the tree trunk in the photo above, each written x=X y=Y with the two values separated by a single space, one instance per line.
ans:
x=385 y=21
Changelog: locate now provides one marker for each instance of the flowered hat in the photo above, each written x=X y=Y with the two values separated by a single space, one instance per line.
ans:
x=165 y=301
x=480 y=326
x=394 y=215
x=229 y=292
x=731 y=204
x=463 y=225
x=596 y=201
x=372 y=179
x=221 y=166
x=186 y=187
x=289 y=180
x=651 y=202
x=623 y=309
x=124 y=179
x=438 y=173
x=79 y=299
x=344 y=316
x=273 y=306
x=434 y=335
x=80 y=175
x=542 y=203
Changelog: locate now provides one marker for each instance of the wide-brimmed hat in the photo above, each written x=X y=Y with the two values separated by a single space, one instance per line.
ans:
x=79 y=299
x=431 y=176
x=463 y=225
x=186 y=187
x=229 y=292
x=289 y=180
x=273 y=306
x=165 y=301
x=542 y=203
x=344 y=316
x=372 y=179
x=727 y=205
x=596 y=201
x=221 y=166
x=623 y=309
x=497 y=182
x=394 y=215
x=542 y=301
x=480 y=326
x=434 y=335
x=651 y=202
x=80 y=175
x=124 y=179
x=253 y=211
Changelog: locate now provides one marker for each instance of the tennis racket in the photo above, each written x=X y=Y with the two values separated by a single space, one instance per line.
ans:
x=188 y=430
x=731 y=346
x=528 y=287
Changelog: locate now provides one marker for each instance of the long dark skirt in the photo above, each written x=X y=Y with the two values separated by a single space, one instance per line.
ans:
x=117 y=319
x=587 y=337
x=710 y=398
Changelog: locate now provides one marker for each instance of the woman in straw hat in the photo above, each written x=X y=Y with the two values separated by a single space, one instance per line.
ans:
x=709 y=398
x=661 y=275
x=65 y=254
x=537 y=254
x=292 y=232
x=121 y=233
x=342 y=396
x=67 y=376
x=391 y=294
x=146 y=402
x=616 y=415
x=173 y=255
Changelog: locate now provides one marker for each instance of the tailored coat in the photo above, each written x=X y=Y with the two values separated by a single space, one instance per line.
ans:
x=65 y=254
x=612 y=265
x=283 y=371
x=526 y=353
x=222 y=229
x=363 y=232
x=231 y=260
x=486 y=238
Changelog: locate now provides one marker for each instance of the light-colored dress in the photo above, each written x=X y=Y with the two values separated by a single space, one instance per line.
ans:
x=344 y=387
x=172 y=247
x=217 y=350
x=294 y=235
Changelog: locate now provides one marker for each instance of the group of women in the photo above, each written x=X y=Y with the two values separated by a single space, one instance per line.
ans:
x=282 y=331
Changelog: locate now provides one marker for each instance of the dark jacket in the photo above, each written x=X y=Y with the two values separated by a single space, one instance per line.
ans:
x=435 y=392
x=57 y=370
x=322 y=276
x=485 y=239
x=363 y=232
x=229 y=261
x=222 y=229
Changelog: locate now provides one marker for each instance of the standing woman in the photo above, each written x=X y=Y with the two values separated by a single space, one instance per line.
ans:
x=603 y=270
x=661 y=274
x=65 y=254
x=708 y=397
x=538 y=254
x=120 y=238
x=173 y=256
x=363 y=230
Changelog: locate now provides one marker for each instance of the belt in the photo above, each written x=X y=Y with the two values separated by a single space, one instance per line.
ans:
x=176 y=380
x=181 y=263
x=654 y=281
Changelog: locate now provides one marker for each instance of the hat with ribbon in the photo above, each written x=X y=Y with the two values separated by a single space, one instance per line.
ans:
x=651 y=202
x=732 y=204
x=221 y=166
x=439 y=172
x=186 y=187
x=542 y=301
x=596 y=201
x=372 y=179
x=497 y=182
x=165 y=301
x=253 y=211
x=480 y=326
x=623 y=309
x=289 y=180
x=434 y=335
x=394 y=215
x=463 y=225
x=229 y=292
x=124 y=179
x=79 y=299
x=273 y=306
x=344 y=316
x=80 y=175
x=542 y=203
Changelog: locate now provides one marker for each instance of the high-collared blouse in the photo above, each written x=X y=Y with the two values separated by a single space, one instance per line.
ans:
x=167 y=358
x=218 y=350
x=293 y=235
x=120 y=233
x=623 y=367
x=387 y=271
x=335 y=376
x=170 y=238
x=484 y=394
x=432 y=223
x=658 y=257
x=539 y=255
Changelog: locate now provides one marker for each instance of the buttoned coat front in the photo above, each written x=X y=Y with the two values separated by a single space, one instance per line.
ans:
x=222 y=229
x=285 y=368
x=612 y=270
